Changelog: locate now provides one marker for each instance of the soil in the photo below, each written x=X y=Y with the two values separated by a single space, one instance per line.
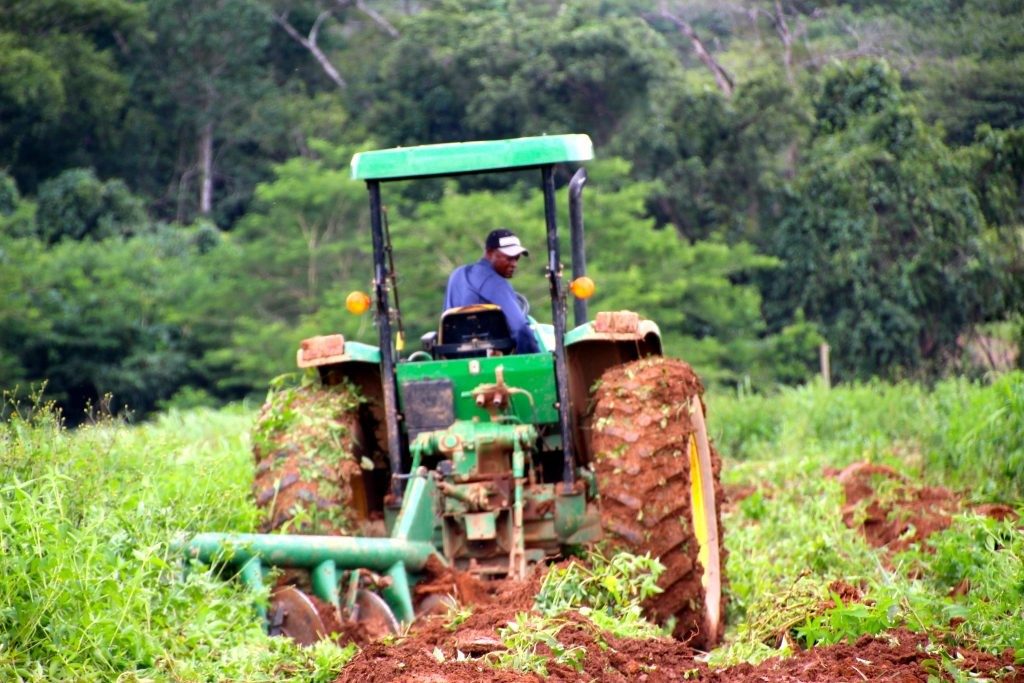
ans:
x=432 y=650
x=894 y=513
x=640 y=431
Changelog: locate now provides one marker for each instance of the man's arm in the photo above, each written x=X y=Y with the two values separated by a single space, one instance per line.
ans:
x=498 y=291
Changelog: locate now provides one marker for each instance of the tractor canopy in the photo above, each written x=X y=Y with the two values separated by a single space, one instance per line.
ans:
x=456 y=158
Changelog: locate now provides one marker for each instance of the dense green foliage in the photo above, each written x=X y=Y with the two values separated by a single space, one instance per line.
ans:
x=173 y=183
x=963 y=433
x=92 y=590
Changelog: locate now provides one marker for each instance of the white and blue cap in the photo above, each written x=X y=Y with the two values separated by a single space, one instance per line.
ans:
x=506 y=242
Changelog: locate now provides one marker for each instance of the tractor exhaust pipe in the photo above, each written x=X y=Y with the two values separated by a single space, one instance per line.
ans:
x=579 y=258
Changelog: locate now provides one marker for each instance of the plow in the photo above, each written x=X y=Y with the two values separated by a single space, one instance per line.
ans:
x=468 y=456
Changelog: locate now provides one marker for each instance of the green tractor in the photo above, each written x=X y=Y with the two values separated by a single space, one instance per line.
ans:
x=492 y=462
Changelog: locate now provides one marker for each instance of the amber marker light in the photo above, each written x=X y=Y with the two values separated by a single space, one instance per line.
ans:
x=357 y=303
x=582 y=287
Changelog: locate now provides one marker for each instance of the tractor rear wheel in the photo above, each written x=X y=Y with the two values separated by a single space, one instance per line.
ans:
x=658 y=478
x=307 y=443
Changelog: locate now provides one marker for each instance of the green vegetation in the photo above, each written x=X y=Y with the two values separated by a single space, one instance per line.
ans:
x=176 y=213
x=788 y=544
x=965 y=434
x=91 y=590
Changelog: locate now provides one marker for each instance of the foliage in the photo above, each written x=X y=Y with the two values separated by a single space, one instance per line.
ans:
x=981 y=553
x=77 y=205
x=788 y=543
x=883 y=236
x=482 y=70
x=607 y=590
x=62 y=85
x=981 y=442
x=100 y=317
x=965 y=433
x=531 y=642
x=92 y=588
x=816 y=202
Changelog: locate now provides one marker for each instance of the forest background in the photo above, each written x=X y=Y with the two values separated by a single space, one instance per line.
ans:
x=176 y=211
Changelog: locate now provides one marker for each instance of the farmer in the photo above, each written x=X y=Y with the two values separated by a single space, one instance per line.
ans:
x=487 y=282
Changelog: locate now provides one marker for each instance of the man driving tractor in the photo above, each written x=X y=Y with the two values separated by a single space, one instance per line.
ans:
x=486 y=282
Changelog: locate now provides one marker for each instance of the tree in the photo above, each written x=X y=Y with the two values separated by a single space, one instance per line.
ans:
x=883 y=237
x=78 y=205
x=473 y=69
x=61 y=85
x=203 y=71
x=98 y=317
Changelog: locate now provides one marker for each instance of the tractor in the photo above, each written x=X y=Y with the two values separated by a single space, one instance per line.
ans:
x=493 y=462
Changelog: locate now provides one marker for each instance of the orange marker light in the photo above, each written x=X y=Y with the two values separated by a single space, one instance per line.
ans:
x=582 y=287
x=357 y=303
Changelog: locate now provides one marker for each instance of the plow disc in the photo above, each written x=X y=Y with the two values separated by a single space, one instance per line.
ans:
x=293 y=614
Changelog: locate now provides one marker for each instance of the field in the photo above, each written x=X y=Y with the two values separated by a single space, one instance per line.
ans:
x=829 y=496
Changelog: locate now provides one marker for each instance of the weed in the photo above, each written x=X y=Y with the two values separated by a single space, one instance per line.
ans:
x=531 y=642
x=609 y=592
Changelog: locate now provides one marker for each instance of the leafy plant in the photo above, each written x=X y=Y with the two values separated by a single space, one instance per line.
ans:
x=607 y=590
x=531 y=642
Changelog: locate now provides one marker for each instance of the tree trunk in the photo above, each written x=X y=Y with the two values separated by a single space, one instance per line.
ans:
x=206 y=169
x=782 y=28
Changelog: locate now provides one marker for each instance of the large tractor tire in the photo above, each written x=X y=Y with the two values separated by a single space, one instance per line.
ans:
x=658 y=478
x=310 y=463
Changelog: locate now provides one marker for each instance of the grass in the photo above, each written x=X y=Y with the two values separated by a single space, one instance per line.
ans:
x=90 y=591
x=787 y=542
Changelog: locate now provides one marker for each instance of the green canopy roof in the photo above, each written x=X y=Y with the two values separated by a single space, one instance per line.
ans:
x=470 y=157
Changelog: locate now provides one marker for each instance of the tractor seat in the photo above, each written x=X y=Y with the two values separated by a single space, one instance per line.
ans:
x=473 y=332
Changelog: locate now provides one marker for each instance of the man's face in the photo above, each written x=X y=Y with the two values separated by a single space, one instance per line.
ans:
x=504 y=265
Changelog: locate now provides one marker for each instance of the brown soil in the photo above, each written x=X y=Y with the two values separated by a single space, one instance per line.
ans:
x=431 y=653
x=894 y=513
x=898 y=655
x=306 y=446
x=640 y=431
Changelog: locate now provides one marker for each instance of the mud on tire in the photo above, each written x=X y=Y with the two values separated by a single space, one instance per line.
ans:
x=306 y=443
x=641 y=433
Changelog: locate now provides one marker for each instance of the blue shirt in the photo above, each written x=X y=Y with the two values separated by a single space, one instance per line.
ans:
x=479 y=283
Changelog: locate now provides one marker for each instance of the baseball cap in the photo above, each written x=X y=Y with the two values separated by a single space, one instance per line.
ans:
x=506 y=242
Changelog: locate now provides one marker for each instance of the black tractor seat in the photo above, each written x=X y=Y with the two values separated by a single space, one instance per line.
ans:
x=473 y=332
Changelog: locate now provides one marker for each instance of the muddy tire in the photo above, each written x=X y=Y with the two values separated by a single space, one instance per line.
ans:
x=658 y=479
x=309 y=476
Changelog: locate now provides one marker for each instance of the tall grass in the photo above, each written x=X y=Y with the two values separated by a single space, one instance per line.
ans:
x=965 y=434
x=787 y=541
x=90 y=590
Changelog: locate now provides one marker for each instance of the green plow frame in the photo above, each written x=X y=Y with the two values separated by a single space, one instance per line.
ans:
x=400 y=557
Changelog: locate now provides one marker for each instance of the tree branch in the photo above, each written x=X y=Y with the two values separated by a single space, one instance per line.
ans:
x=722 y=77
x=376 y=16
x=310 y=44
x=782 y=28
